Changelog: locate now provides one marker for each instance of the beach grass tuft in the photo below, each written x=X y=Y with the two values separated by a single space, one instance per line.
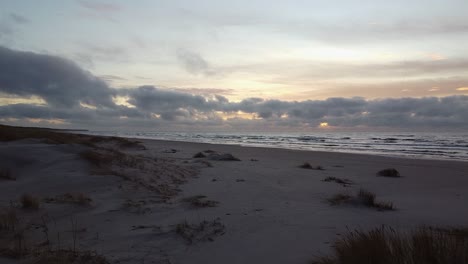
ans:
x=307 y=165
x=363 y=197
x=29 y=201
x=5 y=174
x=391 y=172
x=385 y=245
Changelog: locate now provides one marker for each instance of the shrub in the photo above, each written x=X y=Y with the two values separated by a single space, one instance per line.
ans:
x=389 y=173
x=29 y=202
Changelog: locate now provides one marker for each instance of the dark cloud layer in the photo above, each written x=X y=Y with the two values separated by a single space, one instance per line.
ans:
x=80 y=99
x=60 y=82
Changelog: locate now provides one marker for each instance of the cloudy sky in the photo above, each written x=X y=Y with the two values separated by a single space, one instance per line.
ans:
x=220 y=65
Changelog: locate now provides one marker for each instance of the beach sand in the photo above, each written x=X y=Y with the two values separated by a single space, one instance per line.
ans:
x=261 y=209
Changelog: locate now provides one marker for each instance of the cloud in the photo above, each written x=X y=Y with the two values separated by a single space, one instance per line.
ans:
x=9 y=26
x=60 y=82
x=19 y=19
x=80 y=99
x=194 y=63
x=206 y=91
x=99 y=6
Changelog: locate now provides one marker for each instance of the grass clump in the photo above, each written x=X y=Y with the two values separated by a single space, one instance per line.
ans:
x=203 y=231
x=339 y=198
x=307 y=165
x=29 y=201
x=363 y=197
x=391 y=172
x=199 y=201
x=338 y=180
x=8 y=219
x=69 y=257
x=199 y=155
x=384 y=245
x=223 y=157
x=5 y=174
x=73 y=198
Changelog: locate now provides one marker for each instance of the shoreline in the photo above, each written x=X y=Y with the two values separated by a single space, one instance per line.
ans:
x=301 y=150
x=379 y=152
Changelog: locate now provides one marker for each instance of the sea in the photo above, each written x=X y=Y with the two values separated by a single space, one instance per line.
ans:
x=440 y=146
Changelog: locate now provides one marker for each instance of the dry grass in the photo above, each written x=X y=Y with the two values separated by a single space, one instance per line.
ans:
x=384 y=245
x=199 y=155
x=8 y=219
x=391 y=172
x=199 y=201
x=74 y=198
x=5 y=174
x=29 y=201
x=69 y=257
x=307 y=165
x=339 y=198
x=223 y=157
x=204 y=231
x=364 y=198
x=338 y=180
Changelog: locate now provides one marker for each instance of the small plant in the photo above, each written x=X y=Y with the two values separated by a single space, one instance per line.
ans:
x=204 y=231
x=339 y=198
x=366 y=198
x=29 y=202
x=199 y=201
x=363 y=197
x=199 y=155
x=6 y=174
x=223 y=157
x=389 y=173
x=307 y=165
x=74 y=198
x=337 y=180
x=8 y=219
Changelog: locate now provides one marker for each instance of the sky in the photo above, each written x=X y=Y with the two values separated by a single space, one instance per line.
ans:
x=256 y=65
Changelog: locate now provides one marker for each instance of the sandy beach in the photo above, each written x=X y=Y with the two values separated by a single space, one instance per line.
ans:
x=153 y=202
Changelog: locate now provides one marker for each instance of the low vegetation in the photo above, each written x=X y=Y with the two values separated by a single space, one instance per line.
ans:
x=29 y=201
x=199 y=201
x=204 y=231
x=73 y=198
x=8 y=219
x=5 y=174
x=199 y=155
x=338 y=180
x=384 y=245
x=213 y=155
x=54 y=136
x=389 y=173
x=307 y=165
x=364 y=198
